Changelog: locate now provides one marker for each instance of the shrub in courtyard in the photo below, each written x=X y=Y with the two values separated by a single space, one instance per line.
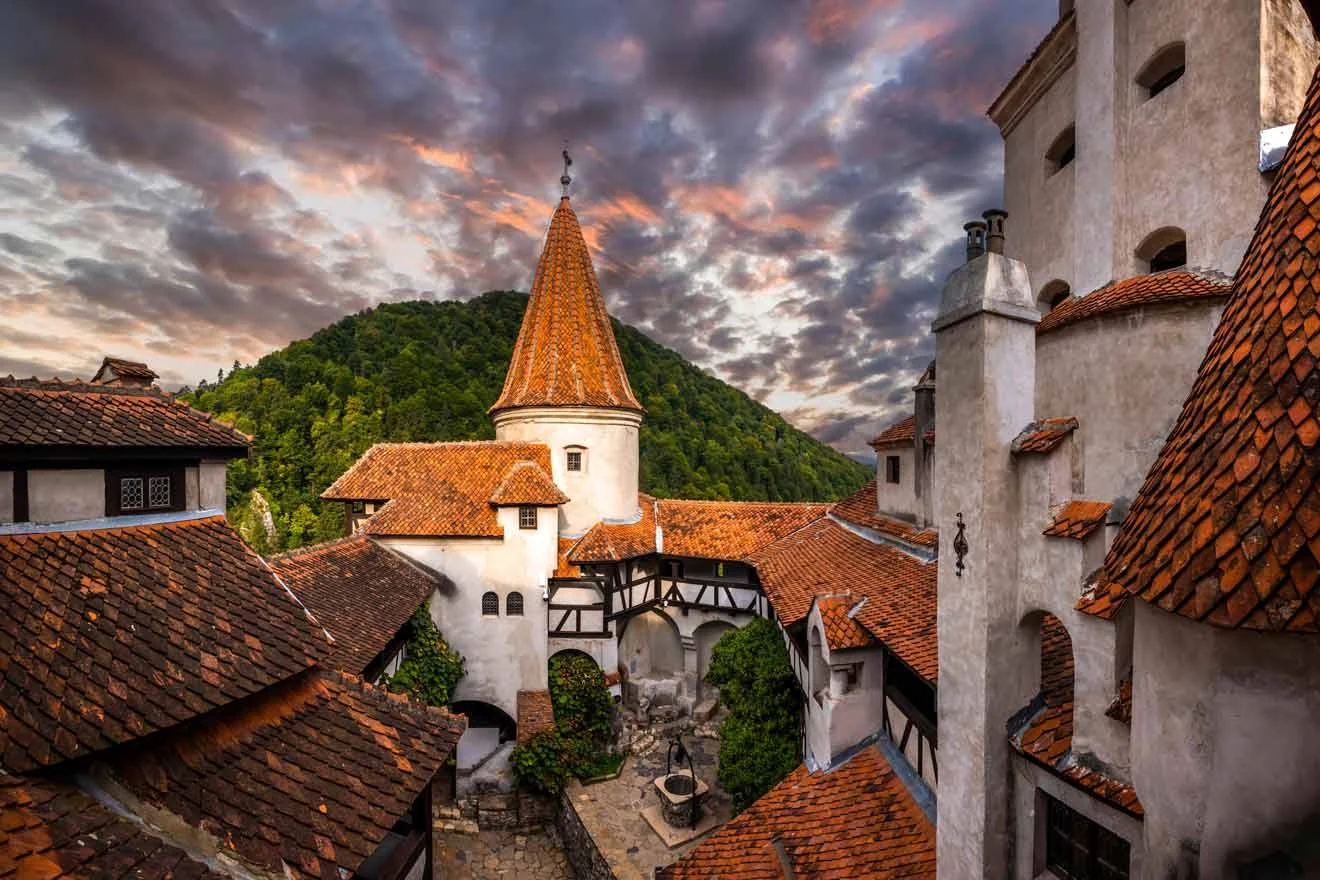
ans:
x=540 y=762
x=430 y=669
x=579 y=743
x=760 y=739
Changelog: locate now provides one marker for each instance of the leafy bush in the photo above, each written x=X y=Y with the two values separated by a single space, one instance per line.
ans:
x=431 y=669
x=760 y=739
x=578 y=744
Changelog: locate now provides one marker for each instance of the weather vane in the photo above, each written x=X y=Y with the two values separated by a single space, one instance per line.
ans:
x=564 y=179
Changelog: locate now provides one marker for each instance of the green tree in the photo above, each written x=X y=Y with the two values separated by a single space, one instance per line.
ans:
x=761 y=736
x=430 y=669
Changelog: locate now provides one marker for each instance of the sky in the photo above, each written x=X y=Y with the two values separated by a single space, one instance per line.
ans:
x=773 y=188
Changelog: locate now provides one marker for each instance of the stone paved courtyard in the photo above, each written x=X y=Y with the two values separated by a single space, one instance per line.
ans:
x=500 y=855
x=611 y=811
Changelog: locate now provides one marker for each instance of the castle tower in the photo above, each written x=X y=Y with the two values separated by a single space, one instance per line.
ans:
x=1137 y=136
x=567 y=388
x=985 y=345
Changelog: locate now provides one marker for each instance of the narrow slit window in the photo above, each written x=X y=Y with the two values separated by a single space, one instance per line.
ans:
x=527 y=517
x=490 y=605
x=1062 y=152
x=1165 y=68
x=893 y=469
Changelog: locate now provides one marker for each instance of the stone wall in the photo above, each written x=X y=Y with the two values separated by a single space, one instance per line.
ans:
x=586 y=859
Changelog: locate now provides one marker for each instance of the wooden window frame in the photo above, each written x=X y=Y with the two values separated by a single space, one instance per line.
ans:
x=113 y=497
x=893 y=469
x=527 y=518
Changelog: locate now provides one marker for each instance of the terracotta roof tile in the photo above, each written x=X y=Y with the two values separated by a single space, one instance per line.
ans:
x=1102 y=598
x=860 y=509
x=361 y=592
x=107 y=635
x=901 y=433
x=436 y=489
x=51 y=830
x=825 y=558
x=841 y=631
x=1043 y=436
x=1046 y=737
x=1226 y=528
x=1121 y=708
x=526 y=483
x=36 y=413
x=607 y=542
x=311 y=774
x=566 y=354
x=1078 y=519
x=730 y=530
x=564 y=568
x=122 y=369
x=857 y=820
x=1177 y=285
x=536 y=713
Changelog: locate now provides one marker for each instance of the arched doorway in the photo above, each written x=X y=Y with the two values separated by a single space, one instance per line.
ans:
x=488 y=728
x=650 y=647
x=706 y=636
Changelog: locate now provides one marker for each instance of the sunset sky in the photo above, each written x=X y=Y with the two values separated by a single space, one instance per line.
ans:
x=775 y=189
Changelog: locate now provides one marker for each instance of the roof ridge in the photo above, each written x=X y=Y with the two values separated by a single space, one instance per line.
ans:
x=308 y=549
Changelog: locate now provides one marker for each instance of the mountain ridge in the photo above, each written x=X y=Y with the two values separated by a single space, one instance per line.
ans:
x=425 y=370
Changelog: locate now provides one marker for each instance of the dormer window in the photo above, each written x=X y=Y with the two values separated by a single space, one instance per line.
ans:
x=1062 y=152
x=1164 y=69
x=143 y=491
x=893 y=469
x=527 y=517
x=573 y=459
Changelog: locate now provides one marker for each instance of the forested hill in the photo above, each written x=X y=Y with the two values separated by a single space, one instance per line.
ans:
x=429 y=370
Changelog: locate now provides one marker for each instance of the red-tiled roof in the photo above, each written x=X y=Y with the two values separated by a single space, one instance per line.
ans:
x=1046 y=737
x=311 y=774
x=436 y=489
x=608 y=542
x=857 y=820
x=860 y=509
x=825 y=558
x=841 y=631
x=1226 y=528
x=1043 y=436
x=901 y=433
x=361 y=592
x=1078 y=519
x=526 y=483
x=53 y=831
x=1121 y=707
x=107 y=635
x=1102 y=598
x=566 y=354
x=564 y=568
x=37 y=413
x=729 y=529
x=536 y=713
x=1178 y=285
x=122 y=369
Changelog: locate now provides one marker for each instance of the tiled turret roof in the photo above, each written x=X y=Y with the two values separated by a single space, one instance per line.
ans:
x=566 y=354
x=1226 y=528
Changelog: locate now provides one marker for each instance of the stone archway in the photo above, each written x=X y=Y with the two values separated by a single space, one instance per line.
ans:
x=651 y=657
x=706 y=636
x=488 y=728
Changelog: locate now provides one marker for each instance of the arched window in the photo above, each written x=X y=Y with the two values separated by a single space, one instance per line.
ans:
x=513 y=606
x=490 y=605
x=1062 y=152
x=1164 y=69
x=1163 y=249
x=1053 y=295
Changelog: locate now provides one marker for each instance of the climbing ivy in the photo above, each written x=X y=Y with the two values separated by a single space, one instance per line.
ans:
x=760 y=739
x=540 y=762
x=431 y=669
x=578 y=745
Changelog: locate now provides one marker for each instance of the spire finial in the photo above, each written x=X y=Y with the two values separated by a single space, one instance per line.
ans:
x=564 y=179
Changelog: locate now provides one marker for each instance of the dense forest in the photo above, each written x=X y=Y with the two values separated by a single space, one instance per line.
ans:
x=429 y=370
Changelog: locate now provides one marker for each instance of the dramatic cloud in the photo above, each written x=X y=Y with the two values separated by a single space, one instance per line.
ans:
x=771 y=187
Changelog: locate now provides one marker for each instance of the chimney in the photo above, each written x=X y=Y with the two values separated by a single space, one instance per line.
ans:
x=924 y=411
x=976 y=237
x=994 y=236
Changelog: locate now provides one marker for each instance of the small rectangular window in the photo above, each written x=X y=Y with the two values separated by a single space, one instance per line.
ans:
x=158 y=492
x=1077 y=848
x=527 y=517
x=131 y=495
x=141 y=491
x=892 y=469
x=574 y=460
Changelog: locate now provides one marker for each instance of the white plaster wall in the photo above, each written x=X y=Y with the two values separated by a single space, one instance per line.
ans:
x=211 y=484
x=707 y=635
x=651 y=645
x=6 y=496
x=607 y=487
x=897 y=499
x=1124 y=377
x=63 y=495
x=1222 y=719
x=504 y=654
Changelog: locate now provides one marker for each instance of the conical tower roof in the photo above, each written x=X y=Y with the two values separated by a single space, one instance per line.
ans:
x=1226 y=528
x=566 y=354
